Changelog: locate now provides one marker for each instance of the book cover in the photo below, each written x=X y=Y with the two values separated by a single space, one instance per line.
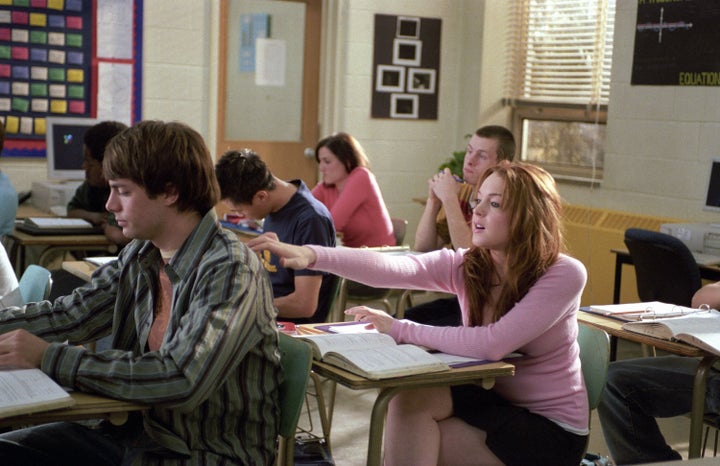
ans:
x=700 y=329
x=373 y=355
x=26 y=391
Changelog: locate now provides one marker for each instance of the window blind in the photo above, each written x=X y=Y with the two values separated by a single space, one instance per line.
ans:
x=562 y=51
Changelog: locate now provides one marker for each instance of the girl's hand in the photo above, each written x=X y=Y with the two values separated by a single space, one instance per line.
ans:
x=291 y=256
x=381 y=320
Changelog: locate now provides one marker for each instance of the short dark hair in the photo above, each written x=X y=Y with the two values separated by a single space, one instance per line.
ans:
x=159 y=156
x=505 y=139
x=241 y=174
x=347 y=150
x=97 y=137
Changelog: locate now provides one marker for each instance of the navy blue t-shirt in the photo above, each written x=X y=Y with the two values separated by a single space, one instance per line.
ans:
x=303 y=220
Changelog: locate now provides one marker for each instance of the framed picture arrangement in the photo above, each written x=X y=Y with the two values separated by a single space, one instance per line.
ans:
x=406 y=67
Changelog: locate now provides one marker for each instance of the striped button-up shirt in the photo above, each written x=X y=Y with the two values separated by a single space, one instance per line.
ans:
x=213 y=384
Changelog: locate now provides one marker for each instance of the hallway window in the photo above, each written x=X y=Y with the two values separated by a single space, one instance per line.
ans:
x=559 y=83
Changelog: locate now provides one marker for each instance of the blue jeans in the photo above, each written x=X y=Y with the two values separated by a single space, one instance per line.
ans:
x=640 y=390
x=68 y=443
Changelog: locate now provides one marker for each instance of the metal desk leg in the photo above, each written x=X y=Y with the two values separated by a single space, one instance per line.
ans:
x=377 y=425
x=618 y=279
x=698 y=405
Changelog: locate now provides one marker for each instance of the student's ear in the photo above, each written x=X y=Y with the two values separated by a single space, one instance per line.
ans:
x=261 y=196
x=171 y=194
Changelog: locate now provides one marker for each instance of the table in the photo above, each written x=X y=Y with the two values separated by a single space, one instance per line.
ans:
x=20 y=241
x=81 y=269
x=484 y=374
x=26 y=210
x=87 y=406
x=622 y=257
x=614 y=328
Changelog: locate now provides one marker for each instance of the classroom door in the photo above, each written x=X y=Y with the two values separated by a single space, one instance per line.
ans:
x=268 y=83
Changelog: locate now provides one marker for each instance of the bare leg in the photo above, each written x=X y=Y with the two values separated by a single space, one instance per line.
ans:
x=412 y=434
x=464 y=445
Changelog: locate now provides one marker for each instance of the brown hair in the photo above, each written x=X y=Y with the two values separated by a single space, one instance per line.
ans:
x=346 y=148
x=160 y=156
x=535 y=241
x=504 y=138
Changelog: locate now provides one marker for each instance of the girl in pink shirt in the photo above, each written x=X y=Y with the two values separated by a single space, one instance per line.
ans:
x=351 y=193
x=518 y=293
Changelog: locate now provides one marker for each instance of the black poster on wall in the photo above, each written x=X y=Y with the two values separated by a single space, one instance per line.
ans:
x=406 y=67
x=677 y=42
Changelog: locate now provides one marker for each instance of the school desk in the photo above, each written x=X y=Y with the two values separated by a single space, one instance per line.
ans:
x=614 y=328
x=484 y=374
x=20 y=241
x=86 y=406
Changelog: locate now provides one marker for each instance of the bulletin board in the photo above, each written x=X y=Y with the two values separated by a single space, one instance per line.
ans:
x=53 y=62
x=406 y=67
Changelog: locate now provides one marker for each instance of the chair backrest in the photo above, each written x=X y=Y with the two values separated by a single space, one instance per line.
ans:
x=35 y=284
x=295 y=359
x=594 y=356
x=399 y=229
x=664 y=267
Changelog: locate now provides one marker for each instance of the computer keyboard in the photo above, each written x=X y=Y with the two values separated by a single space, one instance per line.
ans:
x=706 y=259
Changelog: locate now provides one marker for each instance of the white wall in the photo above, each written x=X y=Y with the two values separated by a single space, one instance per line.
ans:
x=660 y=140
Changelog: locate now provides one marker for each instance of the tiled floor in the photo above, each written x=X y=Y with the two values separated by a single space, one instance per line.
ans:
x=352 y=417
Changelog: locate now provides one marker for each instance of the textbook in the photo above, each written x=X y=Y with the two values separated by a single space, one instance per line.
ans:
x=640 y=311
x=373 y=355
x=700 y=329
x=25 y=391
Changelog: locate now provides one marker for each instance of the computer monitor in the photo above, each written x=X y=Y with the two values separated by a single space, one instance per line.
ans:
x=64 y=146
x=712 y=196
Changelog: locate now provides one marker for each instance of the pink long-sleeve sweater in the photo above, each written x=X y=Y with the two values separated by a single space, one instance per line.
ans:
x=359 y=211
x=542 y=326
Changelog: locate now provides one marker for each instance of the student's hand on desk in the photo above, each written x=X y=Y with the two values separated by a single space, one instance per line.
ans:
x=20 y=349
x=381 y=320
x=291 y=256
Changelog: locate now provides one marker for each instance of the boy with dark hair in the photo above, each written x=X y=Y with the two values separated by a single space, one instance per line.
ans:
x=291 y=214
x=90 y=197
x=190 y=310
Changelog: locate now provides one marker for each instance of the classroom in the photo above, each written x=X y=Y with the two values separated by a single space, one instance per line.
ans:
x=660 y=140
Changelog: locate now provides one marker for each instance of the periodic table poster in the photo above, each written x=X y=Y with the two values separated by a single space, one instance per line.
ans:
x=53 y=62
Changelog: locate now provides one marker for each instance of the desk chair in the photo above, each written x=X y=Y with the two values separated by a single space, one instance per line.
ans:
x=295 y=359
x=594 y=357
x=35 y=284
x=664 y=267
x=359 y=293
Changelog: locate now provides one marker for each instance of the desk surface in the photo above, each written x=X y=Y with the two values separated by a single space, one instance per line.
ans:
x=87 y=406
x=614 y=328
x=27 y=239
x=26 y=210
x=455 y=376
x=81 y=269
